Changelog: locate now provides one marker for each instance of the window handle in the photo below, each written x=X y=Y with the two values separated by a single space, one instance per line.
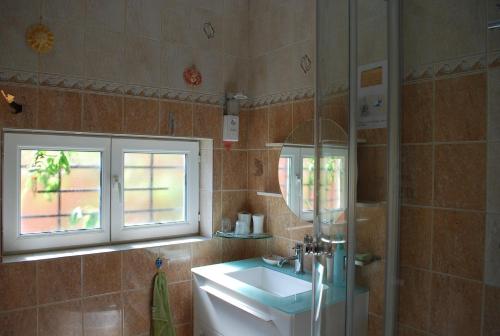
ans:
x=117 y=183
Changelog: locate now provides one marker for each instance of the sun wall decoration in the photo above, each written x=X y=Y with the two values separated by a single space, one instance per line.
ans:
x=192 y=76
x=40 y=38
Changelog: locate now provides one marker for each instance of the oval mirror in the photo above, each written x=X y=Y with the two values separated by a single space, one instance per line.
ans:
x=296 y=171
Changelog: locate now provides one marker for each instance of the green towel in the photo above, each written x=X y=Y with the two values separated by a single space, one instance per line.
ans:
x=162 y=318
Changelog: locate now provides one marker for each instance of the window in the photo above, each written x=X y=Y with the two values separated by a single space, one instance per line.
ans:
x=296 y=176
x=59 y=189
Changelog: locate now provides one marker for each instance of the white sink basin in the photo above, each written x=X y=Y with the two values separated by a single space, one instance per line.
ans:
x=273 y=282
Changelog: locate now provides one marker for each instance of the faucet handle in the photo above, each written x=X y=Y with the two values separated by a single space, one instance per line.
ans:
x=298 y=246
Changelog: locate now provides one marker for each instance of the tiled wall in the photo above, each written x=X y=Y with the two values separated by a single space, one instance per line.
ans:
x=109 y=293
x=138 y=47
x=450 y=284
x=273 y=124
x=281 y=49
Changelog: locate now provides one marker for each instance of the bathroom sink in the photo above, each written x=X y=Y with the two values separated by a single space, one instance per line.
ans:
x=273 y=282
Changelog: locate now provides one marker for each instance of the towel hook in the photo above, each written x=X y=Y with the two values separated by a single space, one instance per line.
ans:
x=159 y=262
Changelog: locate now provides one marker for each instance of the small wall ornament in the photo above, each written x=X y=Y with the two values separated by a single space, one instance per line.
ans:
x=40 y=38
x=192 y=76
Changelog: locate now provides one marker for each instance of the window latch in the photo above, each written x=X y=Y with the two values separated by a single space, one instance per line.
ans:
x=117 y=183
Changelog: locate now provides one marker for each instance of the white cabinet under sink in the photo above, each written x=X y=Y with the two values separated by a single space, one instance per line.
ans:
x=237 y=300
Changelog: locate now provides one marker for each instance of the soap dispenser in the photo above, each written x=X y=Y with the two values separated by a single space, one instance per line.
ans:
x=339 y=263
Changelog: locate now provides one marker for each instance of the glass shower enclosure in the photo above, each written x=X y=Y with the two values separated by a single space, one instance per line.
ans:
x=356 y=136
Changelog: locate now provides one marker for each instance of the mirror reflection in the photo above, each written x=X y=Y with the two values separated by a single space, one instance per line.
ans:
x=296 y=172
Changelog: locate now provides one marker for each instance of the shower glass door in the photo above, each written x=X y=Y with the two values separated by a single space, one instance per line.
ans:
x=354 y=136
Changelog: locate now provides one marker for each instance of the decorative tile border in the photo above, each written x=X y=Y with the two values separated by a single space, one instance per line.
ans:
x=418 y=73
x=459 y=66
x=15 y=76
x=494 y=60
x=280 y=97
x=101 y=86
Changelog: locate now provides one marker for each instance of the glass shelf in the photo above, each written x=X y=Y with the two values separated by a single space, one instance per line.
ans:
x=233 y=235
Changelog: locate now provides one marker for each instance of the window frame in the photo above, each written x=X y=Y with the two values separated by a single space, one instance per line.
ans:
x=13 y=241
x=120 y=233
x=296 y=154
x=110 y=231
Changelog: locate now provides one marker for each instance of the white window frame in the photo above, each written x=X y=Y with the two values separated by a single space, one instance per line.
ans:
x=13 y=241
x=296 y=154
x=111 y=217
x=191 y=226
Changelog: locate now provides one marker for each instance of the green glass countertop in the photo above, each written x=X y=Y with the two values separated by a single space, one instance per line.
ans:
x=294 y=304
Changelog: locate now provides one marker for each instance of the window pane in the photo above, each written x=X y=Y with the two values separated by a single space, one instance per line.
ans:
x=161 y=180
x=307 y=184
x=60 y=190
x=284 y=177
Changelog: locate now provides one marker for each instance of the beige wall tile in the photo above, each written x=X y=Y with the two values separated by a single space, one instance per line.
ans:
x=26 y=96
x=176 y=118
x=206 y=253
x=180 y=298
x=371 y=230
x=337 y=110
x=139 y=268
x=60 y=319
x=137 y=312
x=460 y=175
x=461 y=108
x=494 y=103
x=257 y=169
x=493 y=178
x=175 y=57
x=217 y=169
x=492 y=250
x=456 y=306
x=101 y=273
x=458 y=243
x=491 y=310
x=59 y=280
x=109 y=15
x=258 y=128
x=431 y=34
x=232 y=203
x=17 y=288
x=302 y=111
x=372 y=177
x=414 y=297
x=67 y=55
x=144 y=17
x=141 y=115
x=60 y=110
x=416 y=174
x=272 y=183
x=234 y=170
x=375 y=136
x=372 y=276
x=20 y=322
x=103 y=113
x=417 y=109
x=142 y=61
x=207 y=123
x=184 y=330
x=103 y=315
x=415 y=237
x=16 y=54
x=177 y=262
x=104 y=54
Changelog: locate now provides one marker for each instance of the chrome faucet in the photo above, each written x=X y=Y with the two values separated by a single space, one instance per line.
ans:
x=298 y=258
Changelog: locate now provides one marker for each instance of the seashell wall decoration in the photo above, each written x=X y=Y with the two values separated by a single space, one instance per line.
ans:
x=40 y=38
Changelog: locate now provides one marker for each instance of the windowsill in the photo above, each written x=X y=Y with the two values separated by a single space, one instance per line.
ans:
x=100 y=249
